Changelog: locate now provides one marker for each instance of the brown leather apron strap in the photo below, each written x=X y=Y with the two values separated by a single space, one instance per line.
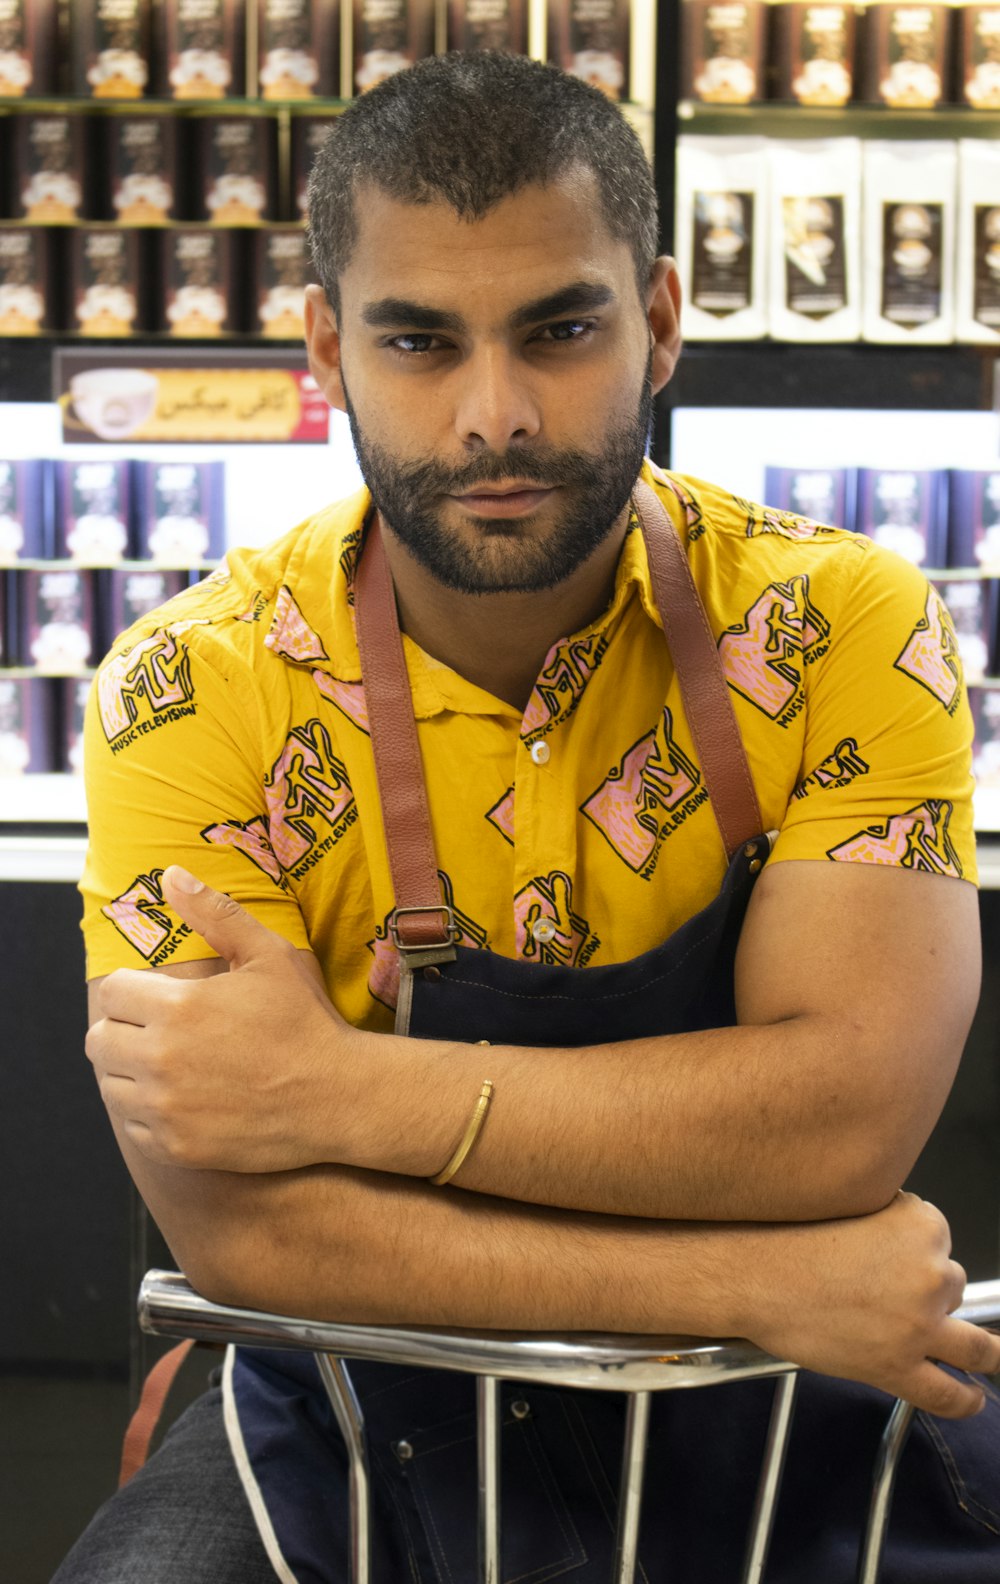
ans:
x=695 y=653
x=143 y=1423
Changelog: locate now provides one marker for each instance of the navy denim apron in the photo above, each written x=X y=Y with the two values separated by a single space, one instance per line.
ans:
x=561 y=1449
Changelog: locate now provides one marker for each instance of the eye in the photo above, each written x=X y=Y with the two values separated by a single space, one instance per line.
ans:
x=569 y=330
x=411 y=346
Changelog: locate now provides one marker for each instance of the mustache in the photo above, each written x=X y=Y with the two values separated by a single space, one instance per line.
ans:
x=547 y=469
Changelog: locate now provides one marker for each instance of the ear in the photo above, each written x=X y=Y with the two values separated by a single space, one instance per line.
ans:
x=323 y=346
x=663 y=309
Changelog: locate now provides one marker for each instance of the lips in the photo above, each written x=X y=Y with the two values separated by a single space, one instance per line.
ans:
x=516 y=502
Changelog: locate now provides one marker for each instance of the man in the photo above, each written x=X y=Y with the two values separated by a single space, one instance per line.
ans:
x=494 y=321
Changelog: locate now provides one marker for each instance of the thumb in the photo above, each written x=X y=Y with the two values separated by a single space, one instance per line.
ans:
x=222 y=923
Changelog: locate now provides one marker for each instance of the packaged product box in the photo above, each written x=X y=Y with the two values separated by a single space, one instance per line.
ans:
x=815 y=253
x=985 y=703
x=133 y=591
x=237 y=170
x=905 y=511
x=197 y=282
x=488 y=24
x=142 y=169
x=282 y=270
x=27 y=48
x=979 y=55
x=27 y=726
x=73 y=695
x=722 y=50
x=57 y=619
x=202 y=50
x=591 y=39
x=48 y=168
x=92 y=511
x=309 y=133
x=909 y=241
x=105 y=275
x=813 y=52
x=298 y=49
x=23 y=496
x=974 y=519
x=977 y=308
x=971 y=604
x=907 y=54
x=111 y=48
x=390 y=35
x=25 y=281
x=822 y=494
x=722 y=236
x=182 y=519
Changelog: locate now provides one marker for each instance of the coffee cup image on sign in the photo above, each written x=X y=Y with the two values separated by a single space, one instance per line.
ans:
x=200 y=74
x=143 y=198
x=809 y=243
x=721 y=214
x=114 y=403
x=118 y=74
x=912 y=226
x=289 y=74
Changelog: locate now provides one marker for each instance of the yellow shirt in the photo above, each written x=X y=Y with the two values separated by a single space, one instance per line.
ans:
x=227 y=732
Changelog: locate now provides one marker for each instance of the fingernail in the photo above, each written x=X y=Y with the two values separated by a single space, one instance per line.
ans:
x=185 y=881
x=980 y=1406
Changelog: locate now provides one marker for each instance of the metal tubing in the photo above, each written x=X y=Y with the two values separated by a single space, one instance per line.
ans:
x=630 y=1494
x=488 y=1450
x=343 y=1398
x=883 y=1481
x=769 y=1485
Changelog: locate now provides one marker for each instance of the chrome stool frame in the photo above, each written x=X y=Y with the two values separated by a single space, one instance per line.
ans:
x=169 y=1306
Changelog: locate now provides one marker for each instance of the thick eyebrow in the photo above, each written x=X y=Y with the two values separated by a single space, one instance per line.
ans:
x=581 y=297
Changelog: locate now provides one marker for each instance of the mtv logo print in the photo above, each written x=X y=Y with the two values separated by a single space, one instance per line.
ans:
x=836 y=770
x=763 y=655
x=383 y=981
x=501 y=815
x=917 y=839
x=251 y=839
x=155 y=673
x=349 y=697
x=930 y=654
x=139 y=914
x=309 y=798
x=634 y=808
x=565 y=673
x=291 y=635
x=546 y=929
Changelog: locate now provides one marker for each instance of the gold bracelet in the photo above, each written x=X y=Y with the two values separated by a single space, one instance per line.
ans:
x=470 y=1135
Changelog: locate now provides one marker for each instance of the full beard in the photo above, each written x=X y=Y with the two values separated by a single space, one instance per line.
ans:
x=507 y=557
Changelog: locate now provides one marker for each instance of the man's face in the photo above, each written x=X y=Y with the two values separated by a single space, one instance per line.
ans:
x=510 y=354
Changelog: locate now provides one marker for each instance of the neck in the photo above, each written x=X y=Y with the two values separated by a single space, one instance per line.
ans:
x=499 y=641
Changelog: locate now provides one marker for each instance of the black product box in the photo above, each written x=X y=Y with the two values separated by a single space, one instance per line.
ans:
x=309 y=133
x=979 y=55
x=237 y=168
x=27 y=726
x=110 y=48
x=812 y=47
x=93 y=507
x=298 y=48
x=23 y=495
x=906 y=50
x=985 y=703
x=56 y=619
x=73 y=695
x=591 y=39
x=972 y=605
x=27 y=48
x=282 y=270
x=48 y=168
x=202 y=53
x=722 y=50
x=905 y=511
x=182 y=512
x=389 y=35
x=826 y=495
x=105 y=281
x=142 y=169
x=129 y=592
x=26 y=282
x=488 y=24
x=199 y=282
x=974 y=519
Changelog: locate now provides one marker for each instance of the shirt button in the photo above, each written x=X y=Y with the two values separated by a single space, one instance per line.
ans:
x=540 y=752
x=543 y=930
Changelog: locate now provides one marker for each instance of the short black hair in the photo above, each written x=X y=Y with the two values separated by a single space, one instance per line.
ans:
x=472 y=129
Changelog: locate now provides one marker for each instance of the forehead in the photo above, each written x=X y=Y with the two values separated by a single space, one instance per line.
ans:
x=532 y=242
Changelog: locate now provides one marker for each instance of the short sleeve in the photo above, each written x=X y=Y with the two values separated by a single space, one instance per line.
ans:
x=173 y=771
x=887 y=759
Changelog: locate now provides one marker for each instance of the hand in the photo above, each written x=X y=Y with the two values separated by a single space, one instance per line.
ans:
x=237 y=1071
x=869 y=1300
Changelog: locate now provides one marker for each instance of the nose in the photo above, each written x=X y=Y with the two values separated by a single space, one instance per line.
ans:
x=495 y=404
